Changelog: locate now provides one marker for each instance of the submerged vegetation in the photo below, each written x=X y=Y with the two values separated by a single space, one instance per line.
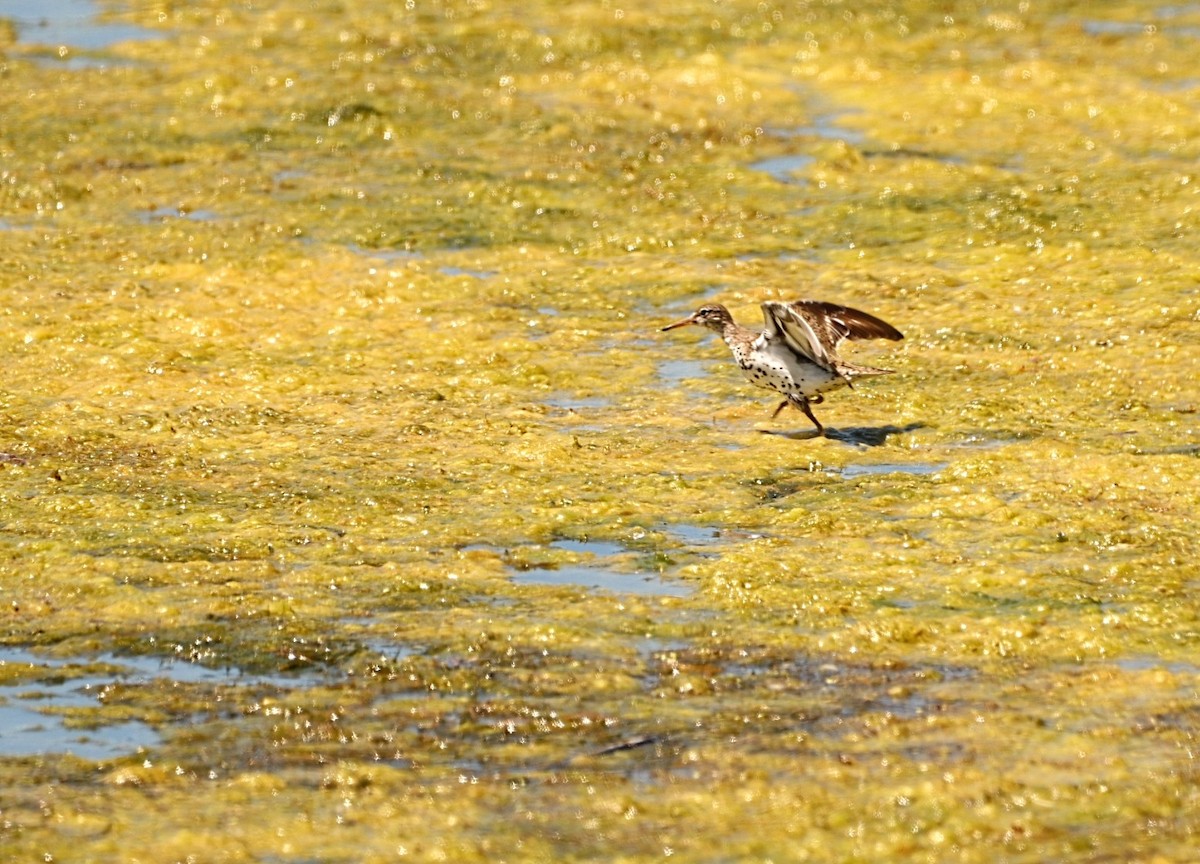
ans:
x=352 y=506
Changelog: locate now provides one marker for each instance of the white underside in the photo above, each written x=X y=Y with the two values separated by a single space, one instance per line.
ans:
x=777 y=368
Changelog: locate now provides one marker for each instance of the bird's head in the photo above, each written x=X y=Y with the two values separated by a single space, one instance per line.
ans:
x=714 y=316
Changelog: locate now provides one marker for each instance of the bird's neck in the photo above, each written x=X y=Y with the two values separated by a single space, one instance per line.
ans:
x=735 y=333
x=739 y=339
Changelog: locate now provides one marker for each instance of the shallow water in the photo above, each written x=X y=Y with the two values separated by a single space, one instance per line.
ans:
x=51 y=704
x=354 y=506
x=596 y=578
x=70 y=25
x=594 y=565
x=28 y=726
x=786 y=169
x=916 y=468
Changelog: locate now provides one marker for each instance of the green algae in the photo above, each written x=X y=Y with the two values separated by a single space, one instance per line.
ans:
x=323 y=320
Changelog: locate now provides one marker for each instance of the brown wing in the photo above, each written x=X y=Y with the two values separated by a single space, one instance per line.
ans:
x=796 y=331
x=846 y=322
x=815 y=329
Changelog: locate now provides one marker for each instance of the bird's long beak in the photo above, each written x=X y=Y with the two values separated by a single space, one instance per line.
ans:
x=691 y=319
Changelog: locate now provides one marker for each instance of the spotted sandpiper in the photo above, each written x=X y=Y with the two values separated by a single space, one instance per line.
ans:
x=796 y=354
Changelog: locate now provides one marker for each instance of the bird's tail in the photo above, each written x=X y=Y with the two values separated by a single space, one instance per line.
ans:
x=855 y=370
x=850 y=371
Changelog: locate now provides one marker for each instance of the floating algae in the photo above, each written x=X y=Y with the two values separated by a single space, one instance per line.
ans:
x=319 y=320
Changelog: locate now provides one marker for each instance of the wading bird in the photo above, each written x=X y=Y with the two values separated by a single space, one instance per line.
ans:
x=796 y=354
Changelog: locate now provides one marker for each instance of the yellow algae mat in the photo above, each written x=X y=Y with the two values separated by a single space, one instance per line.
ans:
x=353 y=507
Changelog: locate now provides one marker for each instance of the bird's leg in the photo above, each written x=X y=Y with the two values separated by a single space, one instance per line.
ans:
x=782 y=405
x=802 y=404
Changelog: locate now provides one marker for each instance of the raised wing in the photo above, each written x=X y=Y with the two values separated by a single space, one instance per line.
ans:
x=796 y=331
x=815 y=329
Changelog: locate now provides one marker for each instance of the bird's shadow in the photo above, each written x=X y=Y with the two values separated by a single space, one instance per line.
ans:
x=863 y=436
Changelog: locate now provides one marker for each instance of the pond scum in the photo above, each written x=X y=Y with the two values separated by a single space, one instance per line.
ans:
x=353 y=508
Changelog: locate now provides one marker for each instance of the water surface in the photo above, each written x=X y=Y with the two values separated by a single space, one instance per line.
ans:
x=373 y=406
